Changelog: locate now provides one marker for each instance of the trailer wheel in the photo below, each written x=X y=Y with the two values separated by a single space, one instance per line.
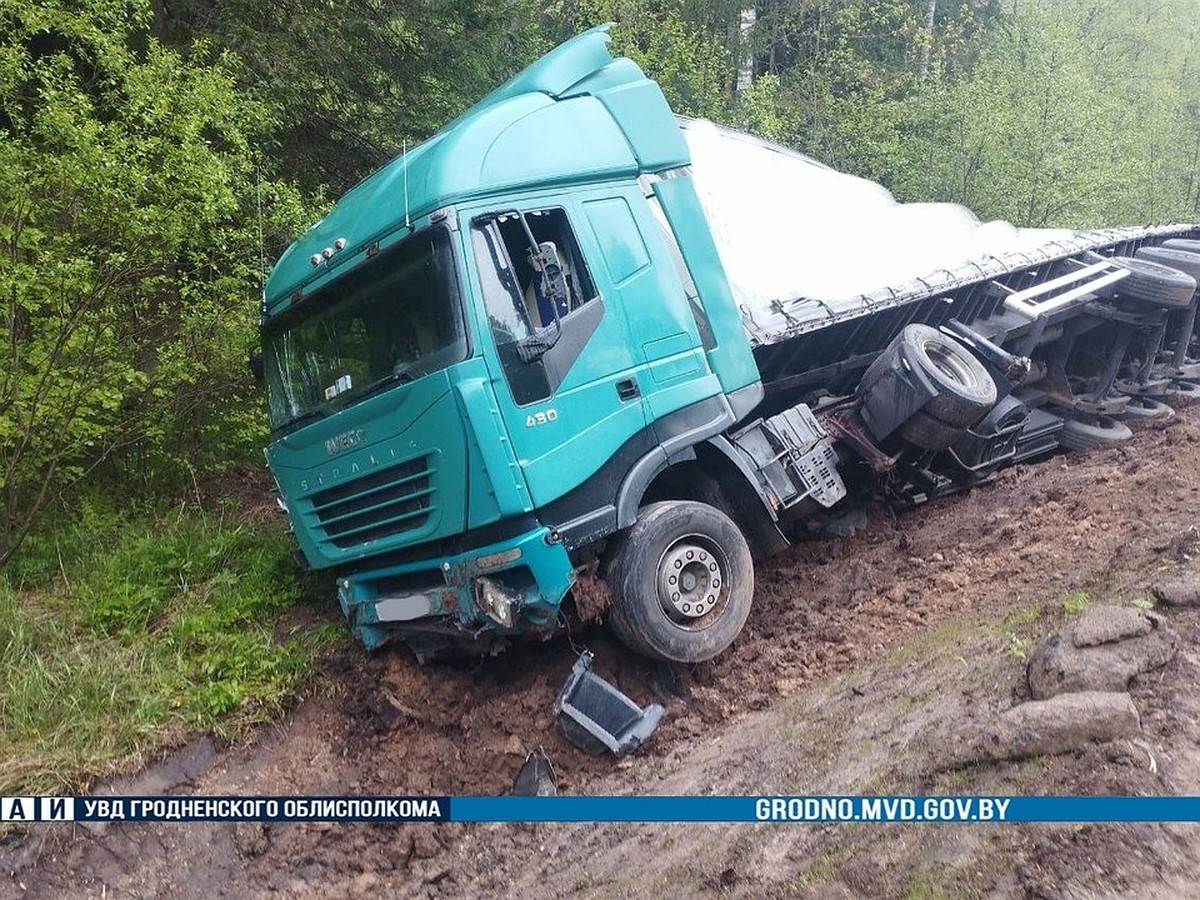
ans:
x=929 y=433
x=1185 y=261
x=965 y=390
x=1140 y=407
x=1154 y=283
x=1188 y=246
x=682 y=582
x=1105 y=432
x=1184 y=390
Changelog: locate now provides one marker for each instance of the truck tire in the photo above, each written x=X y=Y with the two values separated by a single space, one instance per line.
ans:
x=1184 y=390
x=1146 y=408
x=1183 y=260
x=1188 y=246
x=929 y=433
x=965 y=390
x=682 y=582
x=1105 y=432
x=1154 y=283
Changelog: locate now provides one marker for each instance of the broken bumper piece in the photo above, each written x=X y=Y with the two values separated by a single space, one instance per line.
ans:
x=595 y=716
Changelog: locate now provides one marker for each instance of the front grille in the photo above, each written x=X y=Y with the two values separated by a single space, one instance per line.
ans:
x=383 y=504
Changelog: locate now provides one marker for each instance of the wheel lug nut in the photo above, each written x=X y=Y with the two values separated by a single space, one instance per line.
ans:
x=687 y=607
x=673 y=579
x=690 y=554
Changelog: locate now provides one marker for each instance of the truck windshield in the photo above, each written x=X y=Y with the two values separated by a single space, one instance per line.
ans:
x=393 y=319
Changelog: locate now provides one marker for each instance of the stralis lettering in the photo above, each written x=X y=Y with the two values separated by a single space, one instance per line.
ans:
x=345 y=441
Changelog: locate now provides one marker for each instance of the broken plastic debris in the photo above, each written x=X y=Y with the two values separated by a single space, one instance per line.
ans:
x=595 y=716
x=536 y=777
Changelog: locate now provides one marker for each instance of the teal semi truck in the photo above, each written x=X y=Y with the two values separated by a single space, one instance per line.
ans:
x=514 y=372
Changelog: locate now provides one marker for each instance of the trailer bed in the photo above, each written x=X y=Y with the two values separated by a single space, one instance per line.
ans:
x=828 y=269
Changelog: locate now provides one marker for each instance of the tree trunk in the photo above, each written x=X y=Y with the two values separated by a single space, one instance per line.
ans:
x=745 y=74
x=927 y=50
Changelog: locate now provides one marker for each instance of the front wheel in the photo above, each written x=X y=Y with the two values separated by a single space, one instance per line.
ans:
x=682 y=582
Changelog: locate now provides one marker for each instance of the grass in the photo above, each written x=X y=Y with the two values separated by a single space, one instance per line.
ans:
x=926 y=885
x=122 y=634
x=1076 y=603
x=942 y=640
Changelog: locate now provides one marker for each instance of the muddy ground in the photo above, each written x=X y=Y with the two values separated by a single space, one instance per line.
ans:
x=864 y=658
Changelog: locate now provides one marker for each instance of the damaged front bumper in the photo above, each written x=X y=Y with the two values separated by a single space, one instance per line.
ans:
x=504 y=589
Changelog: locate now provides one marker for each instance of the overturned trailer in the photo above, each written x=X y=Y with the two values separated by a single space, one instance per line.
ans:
x=574 y=353
x=1077 y=330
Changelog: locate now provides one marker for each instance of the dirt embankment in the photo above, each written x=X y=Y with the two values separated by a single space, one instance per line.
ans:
x=862 y=657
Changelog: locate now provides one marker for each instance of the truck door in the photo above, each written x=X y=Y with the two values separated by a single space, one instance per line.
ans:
x=580 y=390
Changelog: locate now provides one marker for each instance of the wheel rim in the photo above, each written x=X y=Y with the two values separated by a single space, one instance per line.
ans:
x=948 y=363
x=691 y=583
x=1148 y=408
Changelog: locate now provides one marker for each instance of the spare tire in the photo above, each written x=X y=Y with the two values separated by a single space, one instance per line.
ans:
x=965 y=389
x=1154 y=283
x=1184 y=260
x=1184 y=244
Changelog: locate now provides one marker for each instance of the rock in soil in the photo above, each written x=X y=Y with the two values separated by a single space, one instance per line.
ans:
x=251 y=838
x=1106 y=624
x=1063 y=723
x=1179 y=590
x=1103 y=651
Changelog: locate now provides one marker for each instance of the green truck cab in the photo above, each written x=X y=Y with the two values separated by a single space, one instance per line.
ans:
x=514 y=369
x=480 y=360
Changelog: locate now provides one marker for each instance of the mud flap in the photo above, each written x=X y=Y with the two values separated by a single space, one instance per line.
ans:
x=595 y=716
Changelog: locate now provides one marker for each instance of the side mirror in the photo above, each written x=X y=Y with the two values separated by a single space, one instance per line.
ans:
x=256 y=366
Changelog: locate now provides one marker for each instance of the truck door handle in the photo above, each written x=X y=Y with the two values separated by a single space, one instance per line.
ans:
x=627 y=389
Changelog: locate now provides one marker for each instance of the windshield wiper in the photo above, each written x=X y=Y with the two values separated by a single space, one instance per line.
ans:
x=303 y=419
x=400 y=375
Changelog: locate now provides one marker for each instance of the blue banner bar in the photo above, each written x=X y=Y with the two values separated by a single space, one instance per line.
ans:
x=825 y=809
x=766 y=809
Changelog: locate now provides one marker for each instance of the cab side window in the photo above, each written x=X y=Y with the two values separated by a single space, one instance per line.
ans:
x=547 y=226
x=521 y=303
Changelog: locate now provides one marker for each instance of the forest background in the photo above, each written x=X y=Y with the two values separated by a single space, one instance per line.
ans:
x=157 y=155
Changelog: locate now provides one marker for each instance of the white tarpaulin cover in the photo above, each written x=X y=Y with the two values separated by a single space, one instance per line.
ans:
x=789 y=228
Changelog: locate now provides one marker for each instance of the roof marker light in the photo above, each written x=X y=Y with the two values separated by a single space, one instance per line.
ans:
x=315 y=259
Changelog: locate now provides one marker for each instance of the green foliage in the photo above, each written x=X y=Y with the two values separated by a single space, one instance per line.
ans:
x=130 y=249
x=127 y=630
x=1076 y=114
x=693 y=61
x=350 y=83
x=844 y=72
